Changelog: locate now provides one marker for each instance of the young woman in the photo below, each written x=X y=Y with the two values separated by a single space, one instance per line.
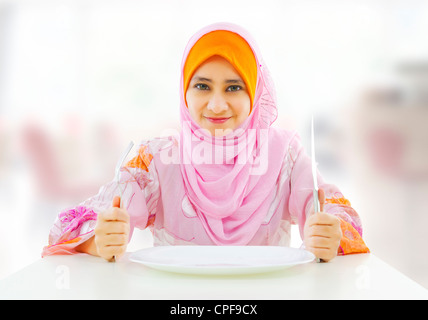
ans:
x=228 y=177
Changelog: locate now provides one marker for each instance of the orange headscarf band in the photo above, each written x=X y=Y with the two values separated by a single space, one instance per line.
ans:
x=230 y=46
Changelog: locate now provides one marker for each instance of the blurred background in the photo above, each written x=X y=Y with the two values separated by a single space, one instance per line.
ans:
x=79 y=79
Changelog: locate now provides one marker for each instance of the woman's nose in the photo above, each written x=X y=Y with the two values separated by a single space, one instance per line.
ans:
x=217 y=104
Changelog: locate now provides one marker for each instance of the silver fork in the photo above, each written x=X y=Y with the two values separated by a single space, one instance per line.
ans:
x=117 y=170
x=117 y=177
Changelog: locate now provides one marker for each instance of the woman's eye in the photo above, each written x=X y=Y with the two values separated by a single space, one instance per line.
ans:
x=234 y=88
x=201 y=86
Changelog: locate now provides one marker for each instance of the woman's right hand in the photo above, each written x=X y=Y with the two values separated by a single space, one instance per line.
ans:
x=112 y=232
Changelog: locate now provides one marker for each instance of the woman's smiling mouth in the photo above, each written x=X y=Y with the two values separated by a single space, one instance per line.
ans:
x=217 y=120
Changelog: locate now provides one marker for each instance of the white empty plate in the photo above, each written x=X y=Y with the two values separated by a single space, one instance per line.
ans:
x=221 y=259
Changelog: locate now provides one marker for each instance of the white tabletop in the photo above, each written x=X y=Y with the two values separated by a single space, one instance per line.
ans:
x=81 y=276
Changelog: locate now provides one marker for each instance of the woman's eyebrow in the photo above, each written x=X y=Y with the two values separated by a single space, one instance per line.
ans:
x=201 y=79
x=234 y=81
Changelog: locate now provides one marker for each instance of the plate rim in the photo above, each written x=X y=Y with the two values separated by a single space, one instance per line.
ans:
x=219 y=269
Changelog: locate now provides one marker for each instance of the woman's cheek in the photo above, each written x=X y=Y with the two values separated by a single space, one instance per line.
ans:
x=195 y=106
x=242 y=109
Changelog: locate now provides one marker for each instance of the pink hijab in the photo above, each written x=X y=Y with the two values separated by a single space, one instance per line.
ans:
x=231 y=180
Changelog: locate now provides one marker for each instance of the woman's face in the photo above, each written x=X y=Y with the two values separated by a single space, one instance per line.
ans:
x=217 y=97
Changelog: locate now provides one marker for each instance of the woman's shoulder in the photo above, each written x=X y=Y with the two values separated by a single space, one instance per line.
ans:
x=165 y=149
x=159 y=148
x=287 y=137
x=159 y=144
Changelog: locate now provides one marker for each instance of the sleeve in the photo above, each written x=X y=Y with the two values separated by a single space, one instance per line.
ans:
x=140 y=193
x=301 y=202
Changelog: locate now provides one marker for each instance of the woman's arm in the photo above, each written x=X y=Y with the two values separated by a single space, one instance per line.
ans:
x=341 y=215
x=79 y=229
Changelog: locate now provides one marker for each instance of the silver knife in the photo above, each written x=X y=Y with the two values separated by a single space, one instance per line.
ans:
x=314 y=170
x=314 y=173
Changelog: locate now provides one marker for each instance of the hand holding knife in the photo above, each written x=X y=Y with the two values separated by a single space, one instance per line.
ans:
x=322 y=230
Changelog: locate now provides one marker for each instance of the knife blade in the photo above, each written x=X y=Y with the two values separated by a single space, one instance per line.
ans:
x=314 y=173
x=314 y=170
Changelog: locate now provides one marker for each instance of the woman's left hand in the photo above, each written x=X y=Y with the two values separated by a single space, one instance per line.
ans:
x=322 y=232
